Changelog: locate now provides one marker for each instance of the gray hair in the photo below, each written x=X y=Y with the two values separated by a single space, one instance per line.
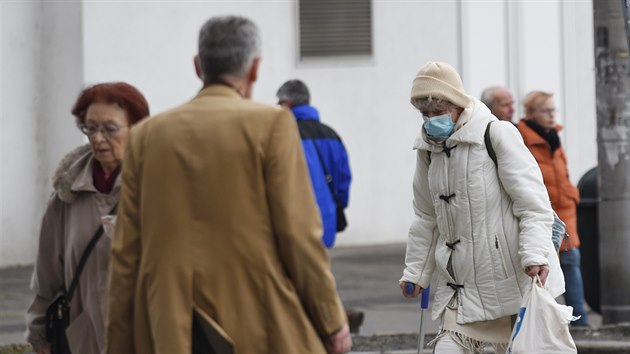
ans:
x=295 y=92
x=228 y=46
x=428 y=103
x=488 y=96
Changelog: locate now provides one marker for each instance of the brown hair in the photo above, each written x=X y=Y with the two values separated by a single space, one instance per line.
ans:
x=534 y=99
x=124 y=95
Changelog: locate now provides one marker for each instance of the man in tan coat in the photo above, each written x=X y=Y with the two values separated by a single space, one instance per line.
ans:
x=218 y=234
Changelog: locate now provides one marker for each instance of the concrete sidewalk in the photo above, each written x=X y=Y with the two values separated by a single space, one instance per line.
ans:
x=15 y=297
x=367 y=280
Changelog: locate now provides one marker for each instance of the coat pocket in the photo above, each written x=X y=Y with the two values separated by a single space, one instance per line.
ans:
x=499 y=266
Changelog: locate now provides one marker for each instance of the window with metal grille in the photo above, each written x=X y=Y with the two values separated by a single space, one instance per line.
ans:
x=335 y=28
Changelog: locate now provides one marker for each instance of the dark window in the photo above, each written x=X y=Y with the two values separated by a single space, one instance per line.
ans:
x=335 y=27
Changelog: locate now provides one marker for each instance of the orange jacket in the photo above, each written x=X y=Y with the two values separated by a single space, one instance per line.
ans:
x=563 y=194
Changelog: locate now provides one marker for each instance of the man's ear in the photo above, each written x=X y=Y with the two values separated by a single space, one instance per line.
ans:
x=198 y=68
x=253 y=72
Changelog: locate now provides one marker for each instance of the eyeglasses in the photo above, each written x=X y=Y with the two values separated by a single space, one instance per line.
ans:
x=548 y=111
x=107 y=130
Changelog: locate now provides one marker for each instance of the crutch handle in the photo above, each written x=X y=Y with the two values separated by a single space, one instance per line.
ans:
x=409 y=288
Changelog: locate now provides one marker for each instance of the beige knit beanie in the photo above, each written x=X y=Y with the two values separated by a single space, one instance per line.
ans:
x=439 y=80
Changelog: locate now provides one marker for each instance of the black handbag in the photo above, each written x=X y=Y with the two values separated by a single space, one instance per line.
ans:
x=342 y=223
x=58 y=311
x=57 y=320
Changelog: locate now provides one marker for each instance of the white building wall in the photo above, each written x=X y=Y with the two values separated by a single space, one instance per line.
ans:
x=41 y=75
x=61 y=72
x=2 y=127
x=21 y=190
x=522 y=45
x=3 y=238
x=485 y=52
x=365 y=99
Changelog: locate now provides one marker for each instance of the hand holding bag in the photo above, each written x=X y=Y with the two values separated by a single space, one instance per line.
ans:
x=542 y=325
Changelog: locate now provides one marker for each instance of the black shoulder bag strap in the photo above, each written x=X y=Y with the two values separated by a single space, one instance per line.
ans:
x=85 y=255
x=329 y=179
x=342 y=222
x=486 y=139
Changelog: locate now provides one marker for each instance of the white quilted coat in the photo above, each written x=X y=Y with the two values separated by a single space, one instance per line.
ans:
x=493 y=225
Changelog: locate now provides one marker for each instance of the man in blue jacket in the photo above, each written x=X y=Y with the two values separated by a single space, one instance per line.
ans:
x=325 y=156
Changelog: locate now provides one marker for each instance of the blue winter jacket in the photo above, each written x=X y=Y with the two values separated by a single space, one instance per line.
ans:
x=318 y=135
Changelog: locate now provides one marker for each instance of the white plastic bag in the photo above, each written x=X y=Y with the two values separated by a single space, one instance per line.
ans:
x=542 y=325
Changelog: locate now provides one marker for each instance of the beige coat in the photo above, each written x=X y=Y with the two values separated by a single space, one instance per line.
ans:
x=73 y=215
x=217 y=214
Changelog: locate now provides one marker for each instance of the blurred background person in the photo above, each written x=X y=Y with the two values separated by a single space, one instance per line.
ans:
x=325 y=156
x=328 y=166
x=86 y=188
x=540 y=133
x=500 y=101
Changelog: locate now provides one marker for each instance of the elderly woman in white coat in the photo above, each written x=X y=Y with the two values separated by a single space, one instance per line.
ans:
x=480 y=230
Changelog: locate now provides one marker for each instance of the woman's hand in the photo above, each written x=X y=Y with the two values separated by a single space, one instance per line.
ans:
x=415 y=293
x=339 y=342
x=541 y=270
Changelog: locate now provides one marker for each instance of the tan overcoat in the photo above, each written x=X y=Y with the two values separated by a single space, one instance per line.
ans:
x=73 y=215
x=217 y=214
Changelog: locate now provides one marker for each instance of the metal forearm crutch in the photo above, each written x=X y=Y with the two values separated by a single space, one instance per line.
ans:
x=424 y=303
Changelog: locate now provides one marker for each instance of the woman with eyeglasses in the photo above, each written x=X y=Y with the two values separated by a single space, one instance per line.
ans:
x=540 y=130
x=86 y=188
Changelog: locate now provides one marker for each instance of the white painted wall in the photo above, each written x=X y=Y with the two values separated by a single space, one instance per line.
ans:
x=41 y=75
x=523 y=45
x=364 y=99
x=484 y=45
x=21 y=191
x=3 y=239
x=61 y=81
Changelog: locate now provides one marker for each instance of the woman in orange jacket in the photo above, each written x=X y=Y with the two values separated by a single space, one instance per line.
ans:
x=540 y=133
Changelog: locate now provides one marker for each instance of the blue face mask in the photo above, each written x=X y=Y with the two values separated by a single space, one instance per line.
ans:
x=441 y=126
